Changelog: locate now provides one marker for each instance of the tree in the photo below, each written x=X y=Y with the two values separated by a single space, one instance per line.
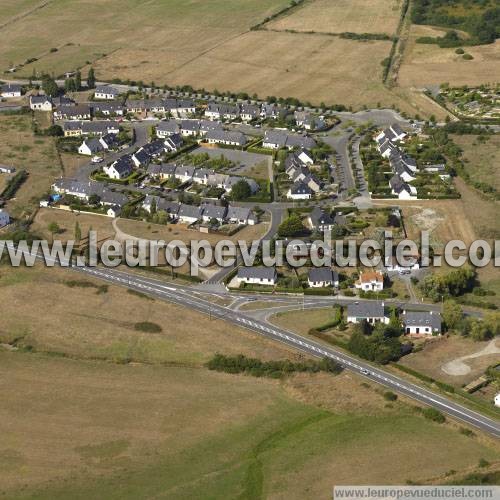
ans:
x=154 y=207
x=78 y=80
x=94 y=199
x=49 y=86
x=78 y=231
x=292 y=226
x=91 y=79
x=452 y=314
x=241 y=190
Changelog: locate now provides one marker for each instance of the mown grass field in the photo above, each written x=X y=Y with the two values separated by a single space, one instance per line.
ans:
x=356 y=16
x=96 y=409
x=37 y=155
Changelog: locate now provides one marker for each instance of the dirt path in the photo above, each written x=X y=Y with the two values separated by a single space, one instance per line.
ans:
x=457 y=367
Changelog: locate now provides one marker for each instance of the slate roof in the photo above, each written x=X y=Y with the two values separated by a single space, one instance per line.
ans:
x=422 y=318
x=300 y=188
x=320 y=218
x=268 y=273
x=189 y=211
x=223 y=135
x=93 y=144
x=322 y=274
x=213 y=211
x=168 y=126
x=106 y=89
x=240 y=213
x=366 y=309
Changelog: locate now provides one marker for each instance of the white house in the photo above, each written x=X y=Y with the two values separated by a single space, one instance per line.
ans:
x=90 y=146
x=106 y=92
x=4 y=218
x=240 y=215
x=189 y=213
x=497 y=399
x=306 y=157
x=40 y=103
x=113 y=211
x=421 y=322
x=401 y=189
x=318 y=277
x=119 y=169
x=371 y=281
x=369 y=311
x=257 y=275
x=11 y=90
x=409 y=263
x=184 y=173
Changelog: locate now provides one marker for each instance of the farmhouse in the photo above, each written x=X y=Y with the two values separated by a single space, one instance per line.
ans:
x=227 y=138
x=40 y=103
x=421 y=322
x=322 y=277
x=11 y=90
x=257 y=275
x=370 y=281
x=4 y=218
x=106 y=92
x=369 y=311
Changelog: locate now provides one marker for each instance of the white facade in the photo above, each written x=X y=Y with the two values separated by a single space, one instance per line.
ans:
x=369 y=319
x=497 y=400
x=4 y=218
x=41 y=106
x=257 y=281
x=112 y=173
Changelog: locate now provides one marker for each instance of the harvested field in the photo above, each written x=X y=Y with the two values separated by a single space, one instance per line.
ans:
x=428 y=64
x=337 y=16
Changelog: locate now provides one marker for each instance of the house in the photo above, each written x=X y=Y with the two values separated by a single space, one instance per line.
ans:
x=170 y=207
x=370 y=281
x=84 y=190
x=320 y=220
x=113 y=211
x=249 y=112
x=312 y=182
x=120 y=168
x=167 y=128
x=163 y=171
x=421 y=322
x=231 y=180
x=257 y=275
x=225 y=137
x=299 y=191
x=274 y=139
x=173 y=143
x=322 y=277
x=184 y=173
x=272 y=111
x=141 y=158
x=369 y=311
x=109 y=141
x=201 y=175
x=11 y=90
x=77 y=112
x=392 y=264
x=386 y=147
x=4 y=218
x=305 y=156
x=497 y=400
x=101 y=127
x=6 y=169
x=189 y=213
x=208 y=125
x=213 y=212
x=90 y=146
x=40 y=103
x=62 y=100
x=394 y=133
x=402 y=189
x=149 y=151
x=240 y=215
x=106 y=92
x=107 y=108
x=218 y=111
x=180 y=107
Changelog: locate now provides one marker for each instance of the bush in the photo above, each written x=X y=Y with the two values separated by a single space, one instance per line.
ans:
x=467 y=57
x=148 y=327
x=434 y=415
x=390 y=396
x=460 y=51
x=14 y=184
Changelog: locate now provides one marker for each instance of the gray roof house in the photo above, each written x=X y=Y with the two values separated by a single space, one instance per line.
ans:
x=167 y=127
x=211 y=211
x=322 y=276
x=164 y=171
x=321 y=220
x=257 y=275
x=240 y=215
x=106 y=92
x=368 y=310
x=226 y=137
x=90 y=146
x=189 y=213
x=421 y=322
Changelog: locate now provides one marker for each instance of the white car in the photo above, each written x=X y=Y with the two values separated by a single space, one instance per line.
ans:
x=97 y=159
x=364 y=371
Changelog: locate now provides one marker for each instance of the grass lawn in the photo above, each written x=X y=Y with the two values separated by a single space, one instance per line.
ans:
x=302 y=321
x=37 y=155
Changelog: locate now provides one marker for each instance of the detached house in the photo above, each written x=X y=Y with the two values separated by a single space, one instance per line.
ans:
x=40 y=103
x=163 y=171
x=189 y=214
x=106 y=92
x=227 y=138
x=249 y=112
x=300 y=191
x=213 y=212
x=369 y=311
x=421 y=322
x=10 y=90
x=320 y=220
x=90 y=146
x=370 y=281
x=257 y=275
x=120 y=169
x=322 y=277
x=402 y=189
x=240 y=215
x=167 y=128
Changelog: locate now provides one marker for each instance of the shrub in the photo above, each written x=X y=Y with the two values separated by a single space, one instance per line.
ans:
x=390 y=396
x=460 y=51
x=147 y=327
x=434 y=415
x=467 y=57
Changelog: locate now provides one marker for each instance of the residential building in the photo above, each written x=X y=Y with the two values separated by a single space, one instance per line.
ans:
x=226 y=137
x=84 y=190
x=320 y=220
x=497 y=400
x=10 y=90
x=77 y=112
x=101 y=127
x=277 y=139
x=189 y=214
x=163 y=171
x=402 y=189
x=321 y=277
x=240 y=215
x=109 y=141
x=167 y=128
x=299 y=191
x=40 y=103
x=368 y=310
x=173 y=143
x=249 y=112
x=115 y=108
x=221 y=111
x=6 y=169
x=212 y=212
x=421 y=322
x=257 y=275
x=370 y=281
x=119 y=169
x=170 y=207
x=184 y=173
x=106 y=92
x=90 y=146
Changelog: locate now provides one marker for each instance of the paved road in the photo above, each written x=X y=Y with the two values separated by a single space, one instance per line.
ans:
x=193 y=299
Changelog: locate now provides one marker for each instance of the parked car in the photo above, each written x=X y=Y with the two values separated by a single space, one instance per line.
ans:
x=97 y=159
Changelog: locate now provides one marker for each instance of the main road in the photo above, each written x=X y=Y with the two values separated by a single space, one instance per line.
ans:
x=195 y=299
